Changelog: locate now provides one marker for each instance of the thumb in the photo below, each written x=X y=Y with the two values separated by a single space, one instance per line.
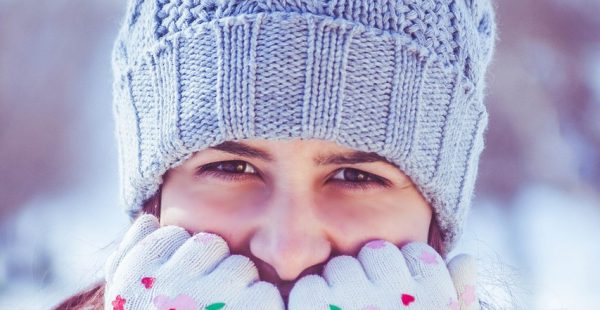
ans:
x=141 y=227
x=463 y=270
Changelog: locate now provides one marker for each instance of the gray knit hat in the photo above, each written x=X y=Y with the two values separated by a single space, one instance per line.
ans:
x=402 y=78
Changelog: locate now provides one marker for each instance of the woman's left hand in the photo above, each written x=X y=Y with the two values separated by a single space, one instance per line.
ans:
x=384 y=277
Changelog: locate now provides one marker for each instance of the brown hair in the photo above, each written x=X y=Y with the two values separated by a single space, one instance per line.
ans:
x=93 y=298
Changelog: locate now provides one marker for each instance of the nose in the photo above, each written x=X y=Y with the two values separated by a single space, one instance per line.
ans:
x=291 y=238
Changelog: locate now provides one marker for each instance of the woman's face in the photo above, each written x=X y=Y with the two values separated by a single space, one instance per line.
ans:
x=291 y=205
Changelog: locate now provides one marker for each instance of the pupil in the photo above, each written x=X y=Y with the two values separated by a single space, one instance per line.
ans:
x=234 y=167
x=354 y=175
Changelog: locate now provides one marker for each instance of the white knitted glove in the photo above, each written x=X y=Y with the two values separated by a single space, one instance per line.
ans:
x=165 y=268
x=384 y=277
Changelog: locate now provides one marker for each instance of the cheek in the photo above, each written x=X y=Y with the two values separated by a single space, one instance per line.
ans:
x=202 y=209
x=352 y=223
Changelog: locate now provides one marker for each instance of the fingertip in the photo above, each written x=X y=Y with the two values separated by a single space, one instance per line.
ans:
x=142 y=226
x=209 y=238
x=238 y=269
x=344 y=269
x=140 y=229
x=174 y=230
x=146 y=221
x=377 y=244
x=417 y=247
x=307 y=284
x=463 y=259
x=383 y=262
x=463 y=270
x=263 y=285
x=463 y=266
x=422 y=252
x=311 y=289
x=424 y=261
x=267 y=293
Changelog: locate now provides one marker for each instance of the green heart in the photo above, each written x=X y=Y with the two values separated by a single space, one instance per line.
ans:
x=332 y=307
x=216 y=306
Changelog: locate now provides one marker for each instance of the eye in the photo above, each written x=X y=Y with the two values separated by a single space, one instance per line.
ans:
x=229 y=170
x=357 y=179
x=238 y=170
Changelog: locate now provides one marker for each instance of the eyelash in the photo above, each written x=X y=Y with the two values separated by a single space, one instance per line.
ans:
x=212 y=169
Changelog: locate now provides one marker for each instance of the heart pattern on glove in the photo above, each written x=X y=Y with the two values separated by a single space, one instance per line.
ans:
x=181 y=302
x=468 y=296
x=148 y=282
x=118 y=303
x=204 y=238
x=407 y=299
x=428 y=258
x=453 y=304
x=376 y=244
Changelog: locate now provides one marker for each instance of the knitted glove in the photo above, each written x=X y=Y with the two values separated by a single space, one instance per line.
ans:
x=165 y=268
x=384 y=277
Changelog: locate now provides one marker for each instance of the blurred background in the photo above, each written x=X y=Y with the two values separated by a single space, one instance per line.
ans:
x=536 y=213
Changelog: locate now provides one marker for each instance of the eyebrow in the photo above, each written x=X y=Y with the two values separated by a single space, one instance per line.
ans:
x=347 y=158
x=241 y=149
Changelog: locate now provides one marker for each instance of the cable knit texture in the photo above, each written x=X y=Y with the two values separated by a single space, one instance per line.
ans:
x=402 y=78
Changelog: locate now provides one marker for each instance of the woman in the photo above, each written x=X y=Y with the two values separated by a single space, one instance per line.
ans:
x=297 y=135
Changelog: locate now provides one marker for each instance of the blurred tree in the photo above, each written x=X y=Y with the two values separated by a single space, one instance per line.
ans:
x=45 y=51
x=543 y=115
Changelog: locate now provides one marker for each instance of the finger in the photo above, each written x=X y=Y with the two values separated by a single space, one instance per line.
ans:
x=310 y=290
x=235 y=271
x=429 y=270
x=148 y=255
x=384 y=264
x=424 y=262
x=463 y=270
x=260 y=295
x=141 y=227
x=345 y=271
x=144 y=225
x=198 y=255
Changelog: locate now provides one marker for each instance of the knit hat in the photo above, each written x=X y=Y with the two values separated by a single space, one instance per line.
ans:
x=401 y=78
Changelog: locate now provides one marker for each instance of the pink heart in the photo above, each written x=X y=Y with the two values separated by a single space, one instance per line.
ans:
x=468 y=296
x=204 y=238
x=428 y=258
x=376 y=244
x=181 y=302
x=453 y=304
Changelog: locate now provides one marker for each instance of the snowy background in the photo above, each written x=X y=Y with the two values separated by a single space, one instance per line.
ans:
x=535 y=219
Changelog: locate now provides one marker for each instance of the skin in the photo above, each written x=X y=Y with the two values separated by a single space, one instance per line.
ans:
x=290 y=215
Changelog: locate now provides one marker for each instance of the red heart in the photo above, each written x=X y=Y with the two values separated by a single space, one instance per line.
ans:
x=148 y=282
x=407 y=299
x=118 y=303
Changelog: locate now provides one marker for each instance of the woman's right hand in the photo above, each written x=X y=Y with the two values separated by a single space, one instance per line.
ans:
x=166 y=268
